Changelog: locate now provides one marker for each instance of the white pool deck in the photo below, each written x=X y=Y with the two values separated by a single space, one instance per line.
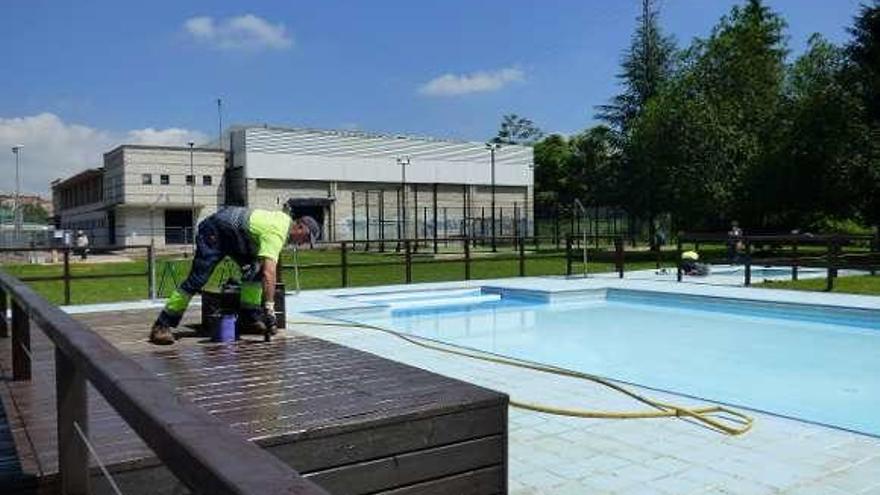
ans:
x=560 y=455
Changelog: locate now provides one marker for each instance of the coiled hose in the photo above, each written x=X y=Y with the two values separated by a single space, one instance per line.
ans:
x=736 y=423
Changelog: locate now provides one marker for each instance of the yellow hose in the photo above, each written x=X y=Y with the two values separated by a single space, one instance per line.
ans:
x=742 y=422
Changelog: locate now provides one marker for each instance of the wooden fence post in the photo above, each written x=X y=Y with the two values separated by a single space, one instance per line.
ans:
x=407 y=258
x=151 y=272
x=875 y=250
x=72 y=404
x=66 y=276
x=618 y=255
x=4 y=325
x=748 y=268
x=344 y=263
x=21 y=343
x=678 y=271
x=467 y=259
x=832 y=263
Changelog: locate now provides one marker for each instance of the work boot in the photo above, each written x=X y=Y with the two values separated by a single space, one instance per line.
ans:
x=161 y=335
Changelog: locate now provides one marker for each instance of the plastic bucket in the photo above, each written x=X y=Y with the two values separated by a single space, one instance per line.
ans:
x=224 y=328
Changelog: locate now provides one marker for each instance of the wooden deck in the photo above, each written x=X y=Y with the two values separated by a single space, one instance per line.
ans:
x=353 y=422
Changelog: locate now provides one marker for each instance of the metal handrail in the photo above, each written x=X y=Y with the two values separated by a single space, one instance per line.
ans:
x=202 y=452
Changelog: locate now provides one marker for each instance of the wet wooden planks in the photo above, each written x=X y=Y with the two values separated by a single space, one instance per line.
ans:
x=351 y=421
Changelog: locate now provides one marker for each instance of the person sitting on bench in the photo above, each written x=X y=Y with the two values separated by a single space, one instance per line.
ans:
x=253 y=239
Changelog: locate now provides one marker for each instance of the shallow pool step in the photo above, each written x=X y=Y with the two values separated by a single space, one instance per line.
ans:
x=422 y=295
x=444 y=302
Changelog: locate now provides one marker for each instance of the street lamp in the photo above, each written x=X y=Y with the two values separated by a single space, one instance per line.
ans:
x=493 y=147
x=403 y=161
x=16 y=207
x=192 y=200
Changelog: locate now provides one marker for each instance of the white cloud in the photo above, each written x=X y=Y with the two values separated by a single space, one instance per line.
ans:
x=244 y=32
x=475 y=82
x=57 y=149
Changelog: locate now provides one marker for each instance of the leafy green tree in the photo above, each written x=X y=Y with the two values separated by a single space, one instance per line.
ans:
x=646 y=66
x=594 y=166
x=517 y=130
x=552 y=178
x=33 y=213
x=864 y=52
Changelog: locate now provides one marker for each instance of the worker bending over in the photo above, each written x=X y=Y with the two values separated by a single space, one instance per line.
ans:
x=253 y=239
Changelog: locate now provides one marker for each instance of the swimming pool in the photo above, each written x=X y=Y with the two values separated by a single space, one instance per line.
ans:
x=809 y=362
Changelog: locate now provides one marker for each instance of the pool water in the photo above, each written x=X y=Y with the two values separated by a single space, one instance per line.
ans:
x=766 y=271
x=813 y=363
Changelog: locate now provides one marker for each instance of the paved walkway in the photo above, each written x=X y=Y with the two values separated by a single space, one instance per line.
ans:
x=558 y=455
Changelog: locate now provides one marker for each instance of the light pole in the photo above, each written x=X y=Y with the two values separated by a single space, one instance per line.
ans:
x=16 y=206
x=192 y=200
x=403 y=162
x=493 y=147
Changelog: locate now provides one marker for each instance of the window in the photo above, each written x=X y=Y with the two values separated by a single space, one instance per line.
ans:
x=146 y=179
x=163 y=179
x=189 y=180
x=206 y=180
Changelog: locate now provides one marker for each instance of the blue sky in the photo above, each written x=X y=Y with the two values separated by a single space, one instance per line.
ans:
x=81 y=76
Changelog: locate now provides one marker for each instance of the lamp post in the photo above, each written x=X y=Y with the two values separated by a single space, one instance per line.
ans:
x=403 y=161
x=192 y=200
x=16 y=206
x=493 y=147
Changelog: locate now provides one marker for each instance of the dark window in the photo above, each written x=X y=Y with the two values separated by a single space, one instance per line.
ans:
x=146 y=179
x=163 y=179
x=189 y=180
x=206 y=180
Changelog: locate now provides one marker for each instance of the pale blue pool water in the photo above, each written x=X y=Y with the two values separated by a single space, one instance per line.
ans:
x=813 y=363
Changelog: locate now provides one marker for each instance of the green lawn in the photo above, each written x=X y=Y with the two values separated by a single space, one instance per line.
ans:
x=484 y=265
x=851 y=285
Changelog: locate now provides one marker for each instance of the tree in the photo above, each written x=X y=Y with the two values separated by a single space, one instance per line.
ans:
x=593 y=166
x=864 y=52
x=517 y=130
x=647 y=64
x=34 y=213
x=552 y=157
x=818 y=155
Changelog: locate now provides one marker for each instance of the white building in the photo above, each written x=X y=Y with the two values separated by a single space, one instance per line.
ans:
x=357 y=185
x=142 y=193
x=366 y=186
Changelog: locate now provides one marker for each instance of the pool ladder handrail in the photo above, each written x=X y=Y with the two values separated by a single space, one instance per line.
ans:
x=583 y=210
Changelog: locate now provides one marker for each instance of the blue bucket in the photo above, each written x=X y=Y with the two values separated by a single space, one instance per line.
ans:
x=224 y=328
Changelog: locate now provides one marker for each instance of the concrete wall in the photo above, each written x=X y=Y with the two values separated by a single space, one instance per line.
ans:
x=175 y=163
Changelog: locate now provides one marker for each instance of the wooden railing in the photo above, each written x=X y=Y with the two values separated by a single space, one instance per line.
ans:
x=66 y=277
x=202 y=452
x=794 y=251
x=406 y=249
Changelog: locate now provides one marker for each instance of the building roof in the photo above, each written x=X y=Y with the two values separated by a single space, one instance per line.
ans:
x=78 y=177
x=363 y=134
x=161 y=147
